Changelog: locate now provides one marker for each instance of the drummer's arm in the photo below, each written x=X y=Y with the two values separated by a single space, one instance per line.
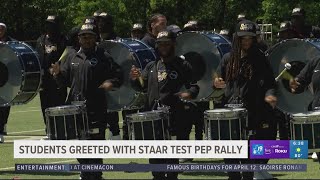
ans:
x=269 y=84
x=305 y=75
x=141 y=84
x=221 y=70
x=116 y=73
x=63 y=77
x=193 y=89
x=191 y=84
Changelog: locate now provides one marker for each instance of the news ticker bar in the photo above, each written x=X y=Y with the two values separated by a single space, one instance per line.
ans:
x=159 y=167
x=255 y=149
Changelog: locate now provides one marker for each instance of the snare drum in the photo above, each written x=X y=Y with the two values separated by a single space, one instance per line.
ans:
x=225 y=124
x=20 y=73
x=67 y=122
x=306 y=126
x=150 y=125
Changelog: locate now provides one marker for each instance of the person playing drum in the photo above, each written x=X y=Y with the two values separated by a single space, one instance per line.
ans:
x=89 y=72
x=247 y=79
x=50 y=47
x=106 y=30
x=4 y=111
x=310 y=74
x=163 y=80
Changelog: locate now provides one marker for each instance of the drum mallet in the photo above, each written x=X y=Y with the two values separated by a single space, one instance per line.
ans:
x=287 y=67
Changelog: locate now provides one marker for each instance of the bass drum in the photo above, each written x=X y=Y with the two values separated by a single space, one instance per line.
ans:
x=297 y=52
x=127 y=52
x=20 y=73
x=204 y=51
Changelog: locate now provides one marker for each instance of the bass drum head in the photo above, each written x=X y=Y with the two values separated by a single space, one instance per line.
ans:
x=127 y=52
x=298 y=53
x=204 y=51
x=15 y=59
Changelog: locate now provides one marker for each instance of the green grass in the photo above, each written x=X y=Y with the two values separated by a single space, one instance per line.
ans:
x=28 y=118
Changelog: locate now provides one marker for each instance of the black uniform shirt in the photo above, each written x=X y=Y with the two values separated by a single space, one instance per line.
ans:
x=250 y=92
x=49 y=51
x=7 y=38
x=311 y=74
x=263 y=46
x=150 y=40
x=85 y=72
x=164 y=80
x=112 y=36
x=307 y=32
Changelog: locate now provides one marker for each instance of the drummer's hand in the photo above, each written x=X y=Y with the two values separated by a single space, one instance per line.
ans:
x=219 y=83
x=294 y=84
x=134 y=73
x=184 y=95
x=272 y=100
x=106 y=85
x=55 y=69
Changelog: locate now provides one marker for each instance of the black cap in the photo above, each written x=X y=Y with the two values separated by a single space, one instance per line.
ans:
x=174 y=28
x=284 y=26
x=52 y=19
x=137 y=27
x=298 y=12
x=241 y=17
x=88 y=29
x=246 y=28
x=224 y=32
x=90 y=20
x=106 y=16
x=166 y=36
x=97 y=13
x=191 y=26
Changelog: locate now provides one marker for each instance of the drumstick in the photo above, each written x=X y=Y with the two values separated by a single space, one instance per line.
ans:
x=141 y=81
x=64 y=54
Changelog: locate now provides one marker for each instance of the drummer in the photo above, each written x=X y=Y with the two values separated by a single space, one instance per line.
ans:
x=4 y=111
x=299 y=26
x=163 y=80
x=106 y=30
x=310 y=74
x=50 y=47
x=285 y=31
x=156 y=23
x=247 y=79
x=137 y=31
x=89 y=73
x=106 y=27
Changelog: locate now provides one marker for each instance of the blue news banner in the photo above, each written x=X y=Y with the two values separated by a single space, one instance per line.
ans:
x=159 y=167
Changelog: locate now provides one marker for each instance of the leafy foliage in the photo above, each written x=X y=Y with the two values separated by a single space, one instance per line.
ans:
x=25 y=18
